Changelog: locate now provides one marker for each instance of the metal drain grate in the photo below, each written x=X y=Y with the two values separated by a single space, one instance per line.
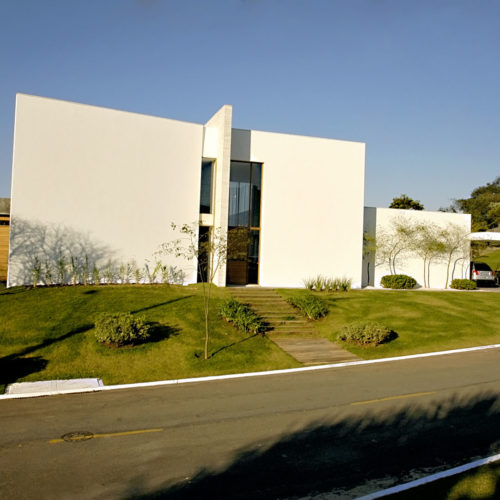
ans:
x=77 y=436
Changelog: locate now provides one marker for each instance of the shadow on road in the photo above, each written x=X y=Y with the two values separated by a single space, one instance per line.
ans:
x=348 y=452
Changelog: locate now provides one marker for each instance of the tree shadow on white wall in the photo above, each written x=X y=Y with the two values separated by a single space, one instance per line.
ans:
x=35 y=243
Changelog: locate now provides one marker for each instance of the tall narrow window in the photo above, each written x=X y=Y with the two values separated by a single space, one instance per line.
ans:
x=206 y=186
x=245 y=182
x=203 y=256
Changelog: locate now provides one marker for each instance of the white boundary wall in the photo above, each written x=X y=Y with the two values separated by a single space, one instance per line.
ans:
x=378 y=223
x=96 y=181
x=312 y=205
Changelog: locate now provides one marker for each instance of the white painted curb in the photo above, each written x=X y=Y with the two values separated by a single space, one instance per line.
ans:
x=431 y=478
x=249 y=374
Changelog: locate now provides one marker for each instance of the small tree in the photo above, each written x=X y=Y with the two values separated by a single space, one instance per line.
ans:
x=428 y=245
x=209 y=253
x=406 y=203
x=455 y=245
x=393 y=243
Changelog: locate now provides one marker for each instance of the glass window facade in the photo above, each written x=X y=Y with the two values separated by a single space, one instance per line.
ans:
x=245 y=185
x=207 y=167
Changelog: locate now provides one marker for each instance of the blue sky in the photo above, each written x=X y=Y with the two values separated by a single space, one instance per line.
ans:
x=418 y=81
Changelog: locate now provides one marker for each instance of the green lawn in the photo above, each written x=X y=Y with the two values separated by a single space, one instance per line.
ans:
x=482 y=483
x=492 y=258
x=424 y=321
x=47 y=333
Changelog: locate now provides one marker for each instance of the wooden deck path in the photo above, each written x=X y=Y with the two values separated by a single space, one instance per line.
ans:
x=291 y=331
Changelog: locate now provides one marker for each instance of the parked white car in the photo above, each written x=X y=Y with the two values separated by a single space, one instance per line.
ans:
x=479 y=271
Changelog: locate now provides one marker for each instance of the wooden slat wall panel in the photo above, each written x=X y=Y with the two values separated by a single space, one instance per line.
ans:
x=4 y=250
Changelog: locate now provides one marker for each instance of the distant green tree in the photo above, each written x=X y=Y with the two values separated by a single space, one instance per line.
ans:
x=483 y=205
x=405 y=202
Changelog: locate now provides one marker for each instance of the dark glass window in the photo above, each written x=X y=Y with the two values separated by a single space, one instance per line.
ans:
x=245 y=182
x=256 y=189
x=206 y=187
x=239 y=194
x=253 y=257
x=203 y=236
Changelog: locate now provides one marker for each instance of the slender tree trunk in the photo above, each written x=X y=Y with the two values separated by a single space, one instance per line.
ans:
x=448 y=270
x=425 y=262
x=429 y=272
x=206 y=302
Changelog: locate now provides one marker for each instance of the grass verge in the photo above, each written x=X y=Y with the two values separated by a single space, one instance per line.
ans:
x=482 y=483
x=48 y=333
x=423 y=321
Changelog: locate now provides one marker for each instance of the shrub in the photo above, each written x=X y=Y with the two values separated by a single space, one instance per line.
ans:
x=310 y=305
x=319 y=283
x=36 y=271
x=369 y=333
x=398 y=281
x=96 y=277
x=322 y=283
x=241 y=316
x=309 y=283
x=459 y=284
x=121 y=328
x=345 y=284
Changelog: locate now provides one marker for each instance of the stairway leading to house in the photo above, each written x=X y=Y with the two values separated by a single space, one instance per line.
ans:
x=289 y=329
x=279 y=315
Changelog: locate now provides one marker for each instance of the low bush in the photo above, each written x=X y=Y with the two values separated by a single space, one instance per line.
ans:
x=310 y=305
x=398 y=281
x=309 y=283
x=241 y=316
x=366 y=333
x=459 y=284
x=322 y=283
x=121 y=328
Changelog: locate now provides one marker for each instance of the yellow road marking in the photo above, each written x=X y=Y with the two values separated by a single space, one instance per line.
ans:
x=110 y=434
x=390 y=398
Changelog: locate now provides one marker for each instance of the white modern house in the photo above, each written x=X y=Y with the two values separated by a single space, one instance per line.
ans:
x=103 y=186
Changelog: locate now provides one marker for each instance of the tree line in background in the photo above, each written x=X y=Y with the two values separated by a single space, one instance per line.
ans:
x=483 y=205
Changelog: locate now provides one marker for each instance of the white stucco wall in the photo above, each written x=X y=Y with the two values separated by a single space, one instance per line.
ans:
x=106 y=182
x=378 y=224
x=312 y=205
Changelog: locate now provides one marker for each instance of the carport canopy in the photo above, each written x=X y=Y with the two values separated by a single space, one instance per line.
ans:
x=484 y=236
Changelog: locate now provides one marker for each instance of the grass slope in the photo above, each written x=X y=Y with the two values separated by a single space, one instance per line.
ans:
x=492 y=258
x=424 y=321
x=47 y=334
x=482 y=483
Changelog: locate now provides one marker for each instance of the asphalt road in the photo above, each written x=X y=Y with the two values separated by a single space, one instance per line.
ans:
x=342 y=431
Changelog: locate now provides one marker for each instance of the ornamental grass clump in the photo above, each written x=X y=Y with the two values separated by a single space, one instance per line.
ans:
x=118 y=329
x=311 y=306
x=325 y=284
x=366 y=333
x=459 y=284
x=398 y=281
x=241 y=316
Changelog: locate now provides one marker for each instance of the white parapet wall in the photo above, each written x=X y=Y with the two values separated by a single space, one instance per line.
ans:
x=395 y=242
x=312 y=205
x=101 y=183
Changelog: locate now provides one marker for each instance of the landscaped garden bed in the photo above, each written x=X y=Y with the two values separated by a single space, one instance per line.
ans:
x=424 y=321
x=48 y=333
